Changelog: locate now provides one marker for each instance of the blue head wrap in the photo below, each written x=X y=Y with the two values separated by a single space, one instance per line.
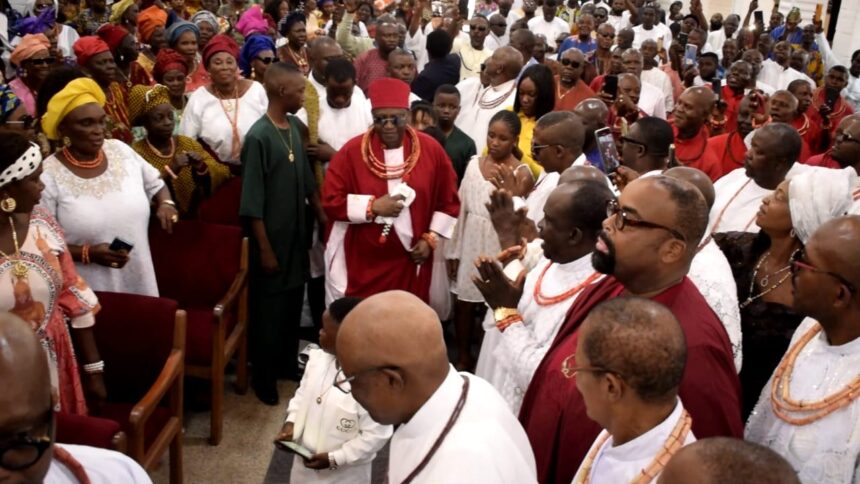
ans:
x=178 y=28
x=253 y=46
x=37 y=25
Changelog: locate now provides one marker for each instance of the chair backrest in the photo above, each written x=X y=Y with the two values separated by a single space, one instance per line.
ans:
x=197 y=263
x=134 y=335
x=223 y=206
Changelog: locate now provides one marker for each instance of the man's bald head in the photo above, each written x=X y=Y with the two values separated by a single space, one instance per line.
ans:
x=562 y=128
x=697 y=178
x=594 y=114
x=582 y=173
x=524 y=41
x=639 y=339
x=392 y=344
x=721 y=459
x=321 y=50
x=782 y=106
x=625 y=38
x=632 y=60
x=693 y=109
x=509 y=61
x=26 y=401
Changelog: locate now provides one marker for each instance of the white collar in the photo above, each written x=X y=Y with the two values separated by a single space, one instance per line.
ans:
x=436 y=410
x=646 y=445
x=583 y=264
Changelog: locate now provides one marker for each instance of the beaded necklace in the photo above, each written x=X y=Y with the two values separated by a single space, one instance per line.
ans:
x=484 y=104
x=155 y=151
x=543 y=300
x=780 y=398
x=236 y=147
x=671 y=446
x=95 y=163
x=379 y=168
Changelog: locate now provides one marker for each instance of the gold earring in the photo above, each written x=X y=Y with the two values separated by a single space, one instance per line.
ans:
x=8 y=205
x=67 y=141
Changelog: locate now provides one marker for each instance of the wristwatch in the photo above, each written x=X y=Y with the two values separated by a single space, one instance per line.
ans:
x=500 y=314
x=332 y=463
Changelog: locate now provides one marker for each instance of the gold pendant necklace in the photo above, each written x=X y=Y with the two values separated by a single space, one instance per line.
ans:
x=289 y=147
x=19 y=269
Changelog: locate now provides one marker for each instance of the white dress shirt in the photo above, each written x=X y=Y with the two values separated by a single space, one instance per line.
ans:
x=485 y=444
x=851 y=93
x=659 y=79
x=550 y=30
x=508 y=360
x=659 y=30
x=625 y=463
x=828 y=450
x=652 y=101
x=350 y=121
x=102 y=467
x=619 y=21
x=775 y=75
x=473 y=119
x=716 y=39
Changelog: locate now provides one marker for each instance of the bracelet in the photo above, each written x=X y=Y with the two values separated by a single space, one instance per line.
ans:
x=167 y=202
x=85 y=254
x=93 y=368
x=369 y=213
x=503 y=324
x=203 y=172
x=170 y=172
x=332 y=462
x=431 y=239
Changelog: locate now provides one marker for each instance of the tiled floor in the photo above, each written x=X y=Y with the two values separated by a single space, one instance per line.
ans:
x=245 y=451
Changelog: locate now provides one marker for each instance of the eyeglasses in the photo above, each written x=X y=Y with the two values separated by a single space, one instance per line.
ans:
x=536 y=149
x=478 y=28
x=842 y=136
x=568 y=62
x=622 y=219
x=625 y=139
x=342 y=382
x=397 y=120
x=570 y=371
x=41 y=62
x=608 y=35
x=24 y=450
x=266 y=60
x=797 y=263
x=499 y=25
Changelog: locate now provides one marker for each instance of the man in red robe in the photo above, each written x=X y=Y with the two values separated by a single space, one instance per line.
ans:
x=646 y=248
x=692 y=111
x=389 y=193
x=782 y=107
x=732 y=93
x=570 y=90
x=802 y=122
x=730 y=147
x=827 y=115
x=846 y=147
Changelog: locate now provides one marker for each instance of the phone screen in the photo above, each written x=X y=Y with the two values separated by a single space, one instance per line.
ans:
x=294 y=448
x=690 y=55
x=717 y=87
x=608 y=151
x=610 y=85
x=119 y=244
x=759 y=17
x=830 y=97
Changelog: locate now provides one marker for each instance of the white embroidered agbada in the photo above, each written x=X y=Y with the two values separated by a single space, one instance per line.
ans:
x=711 y=273
x=508 y=360
x=624 y=463
x=780 y=77
x=738 y=199
x=827 y=450
x=473 y=119
x=337 y=126
x=338 y=425
x=485 y=444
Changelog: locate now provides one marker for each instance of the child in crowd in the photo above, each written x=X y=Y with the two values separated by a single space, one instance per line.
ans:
x=330 y=423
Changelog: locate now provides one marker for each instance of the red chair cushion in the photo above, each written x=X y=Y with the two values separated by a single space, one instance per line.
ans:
x=86 y=430
x=198 y=343
x=197 y=263
x=120 y=412
x=134 y=335
x=223 y=206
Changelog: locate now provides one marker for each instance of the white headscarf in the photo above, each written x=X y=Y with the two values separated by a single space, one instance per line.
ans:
x=817 y=196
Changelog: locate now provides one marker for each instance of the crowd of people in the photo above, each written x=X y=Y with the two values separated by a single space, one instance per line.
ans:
x=541 y=240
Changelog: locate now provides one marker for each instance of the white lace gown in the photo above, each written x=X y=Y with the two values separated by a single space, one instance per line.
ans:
x=474 y=235
x=827 y=450
x=97 y=210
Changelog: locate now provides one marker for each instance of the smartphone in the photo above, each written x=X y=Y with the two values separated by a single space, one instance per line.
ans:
x=119 y=244
x=818 y=9
x=690 y=55
x=608 y=151
x=659 y=44
x=295 y=448
x=437 y=8
x=682 y=38
x=673 y=161
x=610 y=85
x=759 y=17
x=717 y=87
x=830 y=97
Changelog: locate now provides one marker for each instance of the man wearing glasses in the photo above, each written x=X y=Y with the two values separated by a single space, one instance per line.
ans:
x=28 y=451
x=845 y=150
x=391 y=193
x=648 y=242
x=812 y=422
x=473 y=53
x=570 y=89
x=628 y=365
x=498 y=36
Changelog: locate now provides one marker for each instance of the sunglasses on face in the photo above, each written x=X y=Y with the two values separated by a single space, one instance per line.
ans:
x=798 y=264
x=478 y=28
x=622 y=219
x=396 y=119
x=266 y=60
x=25 y=449
x=570 y=63
x=47 y=61
x=499 y=25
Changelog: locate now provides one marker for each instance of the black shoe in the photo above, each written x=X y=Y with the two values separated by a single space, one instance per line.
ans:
x=267 y=394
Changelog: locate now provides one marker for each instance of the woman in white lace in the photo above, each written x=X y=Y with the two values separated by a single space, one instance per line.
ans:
x=475 y=236
x=100 y=190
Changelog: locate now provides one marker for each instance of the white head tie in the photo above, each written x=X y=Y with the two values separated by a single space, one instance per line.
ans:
x=23 y=167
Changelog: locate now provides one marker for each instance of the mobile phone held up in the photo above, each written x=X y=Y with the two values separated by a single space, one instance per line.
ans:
x=295 y=448
x=119 y=244
x=608 y=152
x=690 y=55
x=759 y=17
x=610 y=85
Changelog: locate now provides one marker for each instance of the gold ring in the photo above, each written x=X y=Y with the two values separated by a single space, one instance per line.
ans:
x=114 y=265
x=174 y=218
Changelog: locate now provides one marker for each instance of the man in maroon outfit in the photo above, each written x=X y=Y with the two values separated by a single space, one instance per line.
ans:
x=390 y=194
x=648 y=242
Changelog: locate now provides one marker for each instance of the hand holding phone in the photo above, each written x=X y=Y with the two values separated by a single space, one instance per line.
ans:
x=759 y=17
x=690 y=55
x=608 y=151
x=118 y=244
x=295 y=448
x=610 y=85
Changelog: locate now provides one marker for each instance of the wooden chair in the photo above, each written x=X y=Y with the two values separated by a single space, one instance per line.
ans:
x=91 y=431
x=142 y=342
x=205 y=268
